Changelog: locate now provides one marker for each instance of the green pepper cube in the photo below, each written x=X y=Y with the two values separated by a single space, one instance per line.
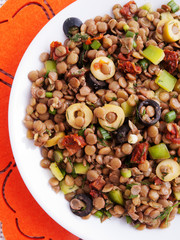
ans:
x=159 y=151
x=67 y=189
x=177 y=195
x=50 y=66
x=166 y=81
x=147 y=7
x=95 y=44
x=126 y=173
x=170 y=116
x=49 y=94
x=56 y=171
x=153 y=54
x=58 y=156
x=128 y=110
x=98 y=214
x=116 y=196
x=80 y=168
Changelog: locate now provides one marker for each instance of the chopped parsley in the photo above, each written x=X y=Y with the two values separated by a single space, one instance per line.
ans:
x=132 y=196
x=78 y=37
x=167 y=212
x=104 y=133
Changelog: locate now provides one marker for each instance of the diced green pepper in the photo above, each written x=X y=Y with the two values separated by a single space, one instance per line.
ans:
x=95 y=44
x=126 y=172
x=58 y=156
x=153 y=54
x=67 y=189
x=50 y=66
x=128 y=110
x=166 y=81
x=134 y=44
x=125 y=27
x=98 y=214
x=147 y=7
x=49 y=94
x=56 y=171
x=166 y=16
x=159 y=151
x=130 y=34
x=170 y=116
x=116 y=196
x=80 y=168
x=177 y=195
x=173 y=5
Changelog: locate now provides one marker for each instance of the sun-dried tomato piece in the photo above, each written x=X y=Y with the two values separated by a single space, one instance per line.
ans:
x=98 y=184
x=157 y=181
x=73 y=143
x=90 y=39
x=170 y=60
x=53 y=46
x=94 y=193
x=129 y=67
x=139 y=153
x=125 y=10
x=125 y=58
x=173 y=135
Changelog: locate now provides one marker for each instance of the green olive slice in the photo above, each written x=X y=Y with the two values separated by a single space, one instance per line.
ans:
x=120 y=116
x=97 y=68
x=167 y=170
x=78 y=109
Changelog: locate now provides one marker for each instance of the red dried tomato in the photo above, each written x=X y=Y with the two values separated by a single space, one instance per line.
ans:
x=73 y=143
x=139 y=154
x=173 y=135
x=129 y=67
x=90 y=39
x=94 y=193
x=170 y=60
x=53 y=46
x=126 y=57
x=98 y=184
x=125 y=10
x=157 y=181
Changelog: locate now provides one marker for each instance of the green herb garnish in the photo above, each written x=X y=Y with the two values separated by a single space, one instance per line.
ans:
x=129 y=186
x=132 y=196
x=104 y=133
x=167 y=212
x=81 y=132
x=78 y=37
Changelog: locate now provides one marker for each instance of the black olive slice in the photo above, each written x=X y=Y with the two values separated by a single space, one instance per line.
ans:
x=93 y=83
x=85 y=210
x=70 y=25
x=156 y=117
x=122 y=133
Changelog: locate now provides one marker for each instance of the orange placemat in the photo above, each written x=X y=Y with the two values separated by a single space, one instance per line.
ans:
x=21 y=216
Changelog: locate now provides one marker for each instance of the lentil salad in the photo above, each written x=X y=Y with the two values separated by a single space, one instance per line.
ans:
x=110 y=133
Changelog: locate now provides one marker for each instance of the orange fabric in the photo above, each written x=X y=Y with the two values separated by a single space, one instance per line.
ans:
x=22 y=217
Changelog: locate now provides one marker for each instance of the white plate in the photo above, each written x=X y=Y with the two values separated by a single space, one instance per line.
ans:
x=28 y=156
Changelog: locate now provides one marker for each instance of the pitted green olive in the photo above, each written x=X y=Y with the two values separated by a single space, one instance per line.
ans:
x=114 y=117
x=167 y=170
x=102 y=68
x=79 y=110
